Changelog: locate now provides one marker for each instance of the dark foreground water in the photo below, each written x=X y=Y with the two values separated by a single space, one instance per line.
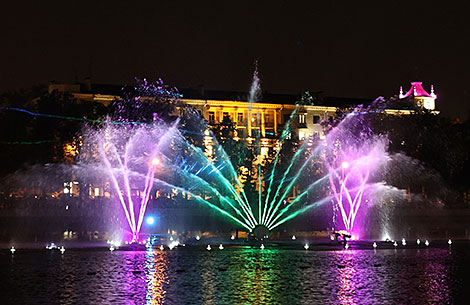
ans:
x=236 y=276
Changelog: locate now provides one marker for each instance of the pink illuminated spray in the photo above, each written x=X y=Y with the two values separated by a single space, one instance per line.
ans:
x=352 y=156
x=131 y=155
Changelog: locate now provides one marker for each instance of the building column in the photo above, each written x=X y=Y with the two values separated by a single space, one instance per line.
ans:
x=263 y=127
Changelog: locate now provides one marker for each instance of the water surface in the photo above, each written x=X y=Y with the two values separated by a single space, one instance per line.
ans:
x=236 y=276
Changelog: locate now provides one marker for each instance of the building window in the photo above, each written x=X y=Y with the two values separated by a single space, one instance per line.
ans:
x=240 y=117
x=302 y=118
x=211 y=116
x=226 y=116
x=301 y=135
x=316 y=119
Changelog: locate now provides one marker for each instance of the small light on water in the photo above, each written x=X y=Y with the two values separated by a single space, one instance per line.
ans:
x=208 y=247
x=62 y=250
x=232 y=237
x=306 y=246
x=403 y=241
x=449 y=241
x=162 y=248
x=262 y=247
x=198 y=237
x=221 y=247
x=293 y=237
x=111 y=248
x=12 y=249
x=346 y=246
x=418 y=241
x=426 y=242
x=374 y=245
x=395 y=244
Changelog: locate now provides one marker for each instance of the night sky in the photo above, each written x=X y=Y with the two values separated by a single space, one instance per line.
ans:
x=350 y=48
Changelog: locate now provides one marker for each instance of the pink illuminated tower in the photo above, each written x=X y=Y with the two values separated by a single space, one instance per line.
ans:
x=422 y=98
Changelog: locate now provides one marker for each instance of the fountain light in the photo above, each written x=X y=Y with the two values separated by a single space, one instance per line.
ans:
x=150 y=220
x=374 y=245
x=293 y=237
x=221 y=247
x=395 y=244
x=403 y=241
x=426 y=242
x=155 y=161
x=208 y=247
x=346 y=246
x=262 y=247
x=418 y=241
x=111 y=248
x=198 y=237
x=449 y=242
x=306 y=246
x=62 y=250
x=12 y=249
x=173 y=244
x=345 y=164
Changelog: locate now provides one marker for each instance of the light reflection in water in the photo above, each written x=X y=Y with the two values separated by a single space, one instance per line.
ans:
x=346 y=274
x=156 y=266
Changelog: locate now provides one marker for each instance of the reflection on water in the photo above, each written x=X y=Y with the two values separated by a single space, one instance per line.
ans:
x=156 y=272
x=346 y=275
x=235 y=276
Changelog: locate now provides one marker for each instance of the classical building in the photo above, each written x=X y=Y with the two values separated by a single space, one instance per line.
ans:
x=421 y=97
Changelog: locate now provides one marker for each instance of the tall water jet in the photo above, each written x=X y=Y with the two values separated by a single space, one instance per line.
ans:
x=354 y=157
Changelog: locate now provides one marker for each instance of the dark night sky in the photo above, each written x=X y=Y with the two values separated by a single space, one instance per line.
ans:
x=350 y=48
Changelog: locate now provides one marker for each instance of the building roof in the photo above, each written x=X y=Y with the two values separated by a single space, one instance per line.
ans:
x=318 y=98
x=417 y=90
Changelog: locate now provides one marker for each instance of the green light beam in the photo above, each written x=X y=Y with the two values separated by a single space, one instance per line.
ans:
x=284 y=134
x=303 y=210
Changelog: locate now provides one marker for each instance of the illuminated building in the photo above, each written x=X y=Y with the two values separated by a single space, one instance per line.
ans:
x=421 y=97
x=264 y=119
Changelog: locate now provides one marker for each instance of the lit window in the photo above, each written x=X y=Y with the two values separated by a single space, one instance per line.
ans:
x=240 y=117
x=301 y=135
x=211 y=116
x=302 y=118
x=97 y=191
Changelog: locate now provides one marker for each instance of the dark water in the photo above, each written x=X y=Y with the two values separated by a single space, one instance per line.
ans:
x=236 y=276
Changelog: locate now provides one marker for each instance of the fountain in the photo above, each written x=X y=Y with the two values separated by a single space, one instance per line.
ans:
x=138 y=156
